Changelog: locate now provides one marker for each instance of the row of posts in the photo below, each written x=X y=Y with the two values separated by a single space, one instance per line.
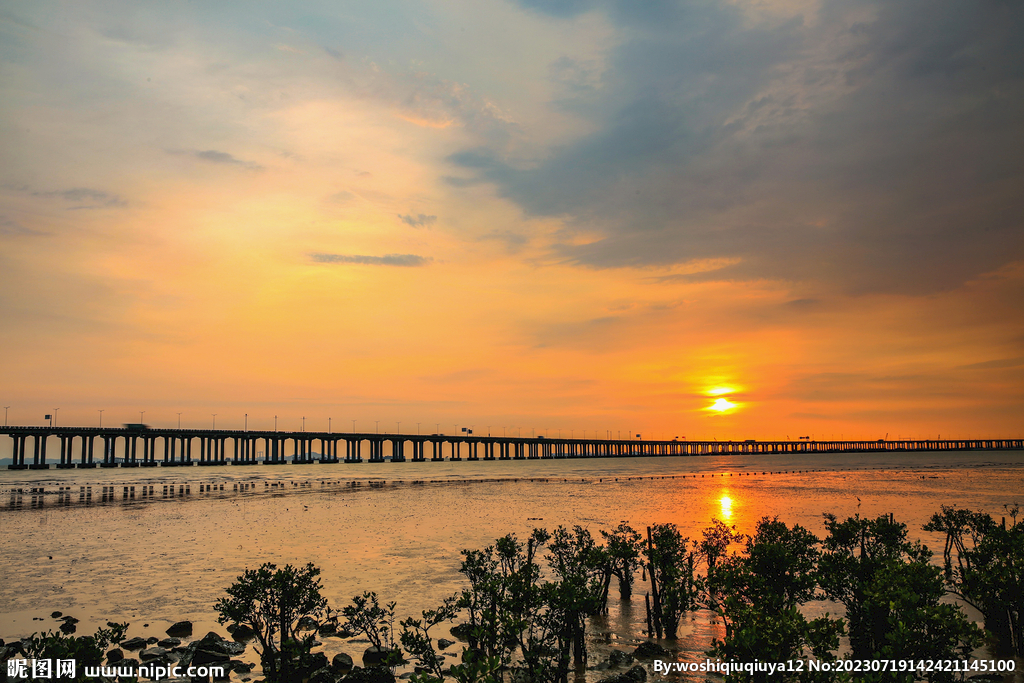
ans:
x=140 y=450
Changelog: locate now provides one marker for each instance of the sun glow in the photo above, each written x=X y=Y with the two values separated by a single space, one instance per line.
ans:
x=719 y=391
x=726 y=504
x=722 y=405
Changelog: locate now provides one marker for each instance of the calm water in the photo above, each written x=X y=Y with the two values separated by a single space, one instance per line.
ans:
x=397 y=528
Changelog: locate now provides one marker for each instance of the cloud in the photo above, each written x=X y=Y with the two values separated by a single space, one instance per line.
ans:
x=79 y=197
x=216 y=157
x=11 y=227
x=420 y=221
x=513 y=241
x=404 y=260
x=995 y=364
x=870 y=146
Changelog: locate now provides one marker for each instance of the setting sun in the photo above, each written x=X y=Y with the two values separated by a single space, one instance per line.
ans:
x=722 y=405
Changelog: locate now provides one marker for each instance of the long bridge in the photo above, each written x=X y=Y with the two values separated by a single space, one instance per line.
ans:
x=141 y=446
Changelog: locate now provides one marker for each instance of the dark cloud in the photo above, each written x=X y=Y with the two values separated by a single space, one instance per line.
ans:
x=216 y=157
x=79 y=197
x=405 y=260
x=874 y=148
x=419 y=221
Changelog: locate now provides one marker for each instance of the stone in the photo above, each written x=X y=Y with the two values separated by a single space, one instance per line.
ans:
x=374 y=674
x=151 y=653
x=342 y=663
x=169 y=642
x=56 y=615
x=135 y=643
x=201 y=657
x=67 y=620
x=152 y=640
x=444 y=643
x=180 y=629
x=618 y=658
x=242 y=632
x=327 y=629
x=323 y=675
x=375 y=656
x=242 y=667
x=461 y=631
x=635 y=675
x=307 y=623
x=68 y=627
x=114 y=656
x=211 y=637
x=649 y=650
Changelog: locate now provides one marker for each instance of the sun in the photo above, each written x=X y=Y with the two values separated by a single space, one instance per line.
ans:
x=722 y=405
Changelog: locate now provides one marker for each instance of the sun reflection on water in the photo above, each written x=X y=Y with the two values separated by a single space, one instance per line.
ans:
x=726 y=504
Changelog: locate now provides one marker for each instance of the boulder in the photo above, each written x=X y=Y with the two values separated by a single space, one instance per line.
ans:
x=181 y=629
x=324 y=675
x=374 y=674
x=327 y=629
x=56 y=615
x=461 y=631
x=135 y=643
x=202 y=657
x=242 y=633
x=242 y=667
x=151 y=653
x=169 y=642
x=342 y=663
x=649 y=650
x=635 y=675
x=114 y=656
x=307 y=623
x=375 y=656
x=152 y=640
x=68 y=627
x=444 y=643
x=68 y=619
x=619 y=658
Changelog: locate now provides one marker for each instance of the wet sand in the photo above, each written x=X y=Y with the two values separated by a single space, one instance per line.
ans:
x=370 y=527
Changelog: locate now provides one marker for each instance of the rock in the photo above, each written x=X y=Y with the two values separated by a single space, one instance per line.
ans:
x=618 y=658
x=242 y=667
x=135 y=643
x=344 y=633
x=68 y=627
x=461 y=631
x=635 y=675
x=307 y=623
x=181 y=629
x=211 y=637
x=327 y=629
x=323 y=675
x=375 y=656
x=242 y=633
x=67 y=620
x=201 y=657
x=152 y=640
x=56 y=615
x=444 y=643
x=114 y=656
x=374 y=674
x=342 y=663
x=169 y=642
x=128 y=663
x=151 y=653
x=649 y=650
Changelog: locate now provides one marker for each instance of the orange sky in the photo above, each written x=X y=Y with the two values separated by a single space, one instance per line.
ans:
x=507 y=216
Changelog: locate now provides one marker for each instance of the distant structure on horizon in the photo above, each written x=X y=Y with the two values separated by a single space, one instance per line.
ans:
x=137 y=445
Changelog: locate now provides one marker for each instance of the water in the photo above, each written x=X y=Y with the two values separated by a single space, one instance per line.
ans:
x=398 y=528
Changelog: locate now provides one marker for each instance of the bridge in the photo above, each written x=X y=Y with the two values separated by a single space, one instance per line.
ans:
x=149 y=447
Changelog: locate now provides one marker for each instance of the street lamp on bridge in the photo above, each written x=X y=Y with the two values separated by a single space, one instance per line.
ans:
x=101 y=419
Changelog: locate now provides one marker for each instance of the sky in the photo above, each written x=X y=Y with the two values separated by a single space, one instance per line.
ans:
x=695 y=219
